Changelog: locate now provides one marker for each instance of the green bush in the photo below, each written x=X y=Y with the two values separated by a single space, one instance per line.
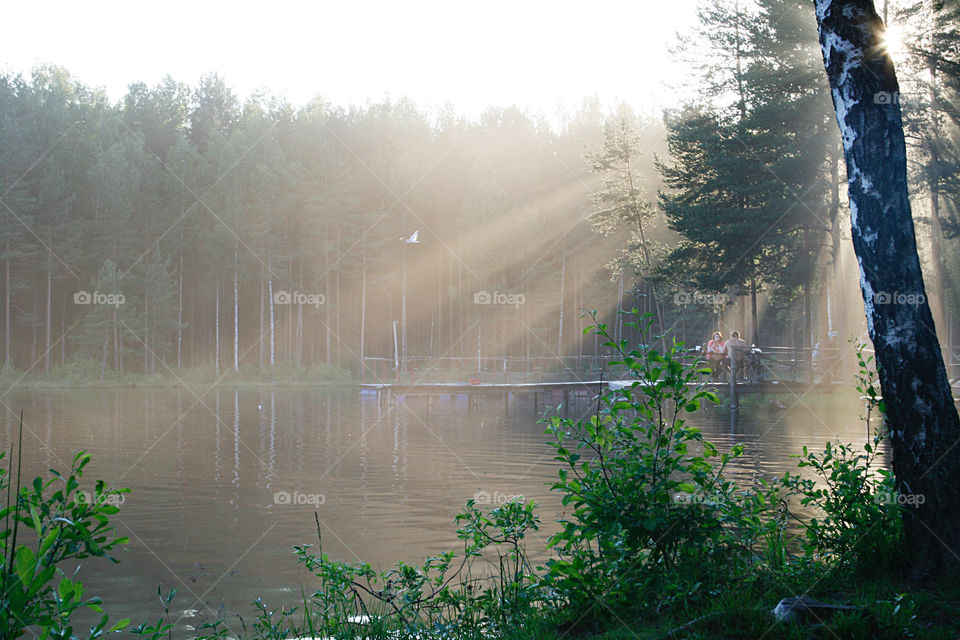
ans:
x=647 y=492
x=485 y=592
x=46 y=524
x=856 y=517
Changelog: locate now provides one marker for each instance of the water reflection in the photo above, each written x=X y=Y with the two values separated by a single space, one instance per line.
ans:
x=225 y=484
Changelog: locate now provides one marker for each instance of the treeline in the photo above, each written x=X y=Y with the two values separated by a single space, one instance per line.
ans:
x=260 y=234
x=182 y=227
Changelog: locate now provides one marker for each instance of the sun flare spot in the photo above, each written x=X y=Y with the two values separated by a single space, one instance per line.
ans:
x=894 y=40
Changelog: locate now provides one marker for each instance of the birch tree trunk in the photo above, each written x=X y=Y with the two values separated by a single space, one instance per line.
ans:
x=923 y=422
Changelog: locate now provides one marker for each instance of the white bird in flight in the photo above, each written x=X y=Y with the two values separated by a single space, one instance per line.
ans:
x=414 y=238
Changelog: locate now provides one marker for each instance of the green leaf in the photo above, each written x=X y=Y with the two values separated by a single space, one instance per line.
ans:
x=120 y=625
x=26 y=564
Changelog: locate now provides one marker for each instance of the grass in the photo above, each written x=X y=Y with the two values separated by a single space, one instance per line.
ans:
x=889 y=610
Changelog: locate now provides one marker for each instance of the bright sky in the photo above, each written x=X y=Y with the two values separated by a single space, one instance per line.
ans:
x=537 y=54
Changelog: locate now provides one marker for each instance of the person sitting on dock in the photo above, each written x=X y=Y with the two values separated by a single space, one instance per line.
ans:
x=715 y=355
x=735 y=350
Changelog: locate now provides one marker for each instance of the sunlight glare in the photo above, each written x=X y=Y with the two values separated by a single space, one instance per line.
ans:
x=893 y=40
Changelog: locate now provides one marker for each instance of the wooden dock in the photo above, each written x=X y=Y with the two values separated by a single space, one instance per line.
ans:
x=571 y=390
x=594 y=386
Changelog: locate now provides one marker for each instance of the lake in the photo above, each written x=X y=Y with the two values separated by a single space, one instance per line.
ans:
x=225 y=482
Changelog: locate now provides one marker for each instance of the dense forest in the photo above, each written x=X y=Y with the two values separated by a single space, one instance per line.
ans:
x=183 y=226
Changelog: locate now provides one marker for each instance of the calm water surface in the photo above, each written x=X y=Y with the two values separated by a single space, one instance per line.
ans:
x=224 y=484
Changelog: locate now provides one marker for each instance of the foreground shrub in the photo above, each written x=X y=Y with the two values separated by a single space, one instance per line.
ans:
x=47 y=524
x=853 y=511
x=647 y=493
x=487 y=590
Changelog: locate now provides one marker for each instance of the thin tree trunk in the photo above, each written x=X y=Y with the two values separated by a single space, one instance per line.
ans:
x=46 y=342
x=146 y=329
x=439 y=303
x=363 y=308
x=270 y=304
x=403 y=308
x=742 y=305
x=563 y=281
x=236 y=308
x=216 y=316
x=116 y=345
x=337 y=311
x=923 y=422
x=326 y=313
x=261 y=327
x=939 y=286
x=835 y=238
x=298 y=343
x=618 y=327
x=6 y=310
x=180 y=304
x=106 y=350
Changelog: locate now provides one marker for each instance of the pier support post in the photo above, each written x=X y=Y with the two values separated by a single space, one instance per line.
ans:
x=734 y=356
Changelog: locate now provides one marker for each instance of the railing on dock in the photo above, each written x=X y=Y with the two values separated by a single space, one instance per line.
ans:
x=783 y=364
